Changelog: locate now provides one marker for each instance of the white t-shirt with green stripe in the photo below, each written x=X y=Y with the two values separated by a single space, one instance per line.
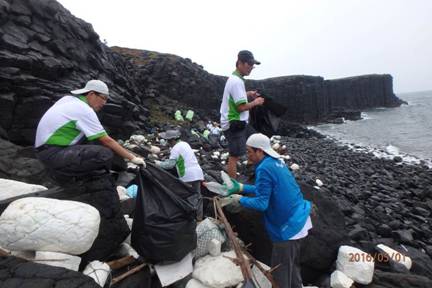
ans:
x=67 y=121
x=187 y=165
x=234 y=95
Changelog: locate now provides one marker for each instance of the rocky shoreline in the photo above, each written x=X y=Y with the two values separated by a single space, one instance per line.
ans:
x=363 y=201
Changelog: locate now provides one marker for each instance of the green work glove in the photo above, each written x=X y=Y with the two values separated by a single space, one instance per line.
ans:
x=236 y=187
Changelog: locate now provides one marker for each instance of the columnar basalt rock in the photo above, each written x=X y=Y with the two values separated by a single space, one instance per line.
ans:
x=45 y=52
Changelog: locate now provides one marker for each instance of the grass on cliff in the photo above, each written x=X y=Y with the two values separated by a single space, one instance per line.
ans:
x=157 y=116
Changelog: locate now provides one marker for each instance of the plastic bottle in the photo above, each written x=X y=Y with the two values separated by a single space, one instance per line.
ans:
x=227 y=180
x=189 y=115
x=178 y=116
x=217 y=188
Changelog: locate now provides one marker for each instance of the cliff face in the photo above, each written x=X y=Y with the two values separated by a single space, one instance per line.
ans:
x=45 y=52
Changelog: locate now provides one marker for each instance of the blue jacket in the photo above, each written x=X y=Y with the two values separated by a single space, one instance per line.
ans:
x=279 y=197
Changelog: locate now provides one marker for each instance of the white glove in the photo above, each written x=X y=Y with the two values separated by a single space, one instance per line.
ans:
x=158 y=163
x=138 y=161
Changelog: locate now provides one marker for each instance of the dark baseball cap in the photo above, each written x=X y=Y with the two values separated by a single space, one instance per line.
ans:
x=247 y=56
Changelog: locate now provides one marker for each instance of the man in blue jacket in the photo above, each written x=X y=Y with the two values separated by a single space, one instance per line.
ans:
x=286 y=213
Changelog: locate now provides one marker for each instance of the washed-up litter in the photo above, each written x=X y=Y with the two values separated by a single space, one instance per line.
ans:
x=178 y=116
x=206 y=231
x=164 y=227
x=171 y=273
x=189 y=115
x=99 y=271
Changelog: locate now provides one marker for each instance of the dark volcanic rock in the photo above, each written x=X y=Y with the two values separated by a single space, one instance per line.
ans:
x=45 y=52
x=398 y=280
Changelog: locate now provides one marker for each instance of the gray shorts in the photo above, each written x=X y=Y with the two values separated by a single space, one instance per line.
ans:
x=237 y=140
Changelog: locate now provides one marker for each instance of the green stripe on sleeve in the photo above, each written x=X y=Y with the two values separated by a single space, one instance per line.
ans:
x=241 y=102
x=97 y=136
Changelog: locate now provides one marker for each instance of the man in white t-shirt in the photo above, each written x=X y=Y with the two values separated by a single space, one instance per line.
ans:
x=71 y=120
x=235 y=108
x=183 y=158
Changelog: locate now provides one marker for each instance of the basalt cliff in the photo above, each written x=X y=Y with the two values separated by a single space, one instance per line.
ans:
x=45 y=51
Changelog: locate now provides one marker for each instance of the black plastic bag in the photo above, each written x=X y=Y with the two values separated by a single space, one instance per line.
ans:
x=264 y=121
x=266 y=118
x=164 y=225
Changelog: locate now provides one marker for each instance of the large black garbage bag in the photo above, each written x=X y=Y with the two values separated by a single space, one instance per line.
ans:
x=266 y=118
x=264 y=121
x=164 y=225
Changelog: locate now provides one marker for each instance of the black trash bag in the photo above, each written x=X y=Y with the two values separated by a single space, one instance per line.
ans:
x=265 y=119
x=164 y=224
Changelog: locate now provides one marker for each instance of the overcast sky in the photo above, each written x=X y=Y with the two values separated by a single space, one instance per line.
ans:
x=333 y=38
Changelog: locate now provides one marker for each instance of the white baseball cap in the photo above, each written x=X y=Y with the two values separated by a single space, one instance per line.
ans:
x=93 y=85
x=261 y=141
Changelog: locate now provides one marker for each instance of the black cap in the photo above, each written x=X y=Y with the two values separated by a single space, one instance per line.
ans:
x=247 y=56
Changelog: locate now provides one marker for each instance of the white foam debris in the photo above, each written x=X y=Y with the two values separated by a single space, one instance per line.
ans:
x=395 y=256
x=11 y=188
x=339 y=280
x=356 y=264
x=295 y=167
x=99 y=271
x=58 y=260
x=43 y=224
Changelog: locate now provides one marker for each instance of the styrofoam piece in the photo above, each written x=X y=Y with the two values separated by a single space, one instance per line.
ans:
x=395 y=256
x=171 y=273
x=30 y=255
x=339 y=280
x=356 y=264
x=58 y=260
x=43 y=224
x=218 y=272
x=11 y=188
x=193 y=283
x=99 y=271
x=214 y=247
x=295 y=167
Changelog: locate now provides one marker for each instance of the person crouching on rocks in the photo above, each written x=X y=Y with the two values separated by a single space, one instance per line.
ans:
x=286 y=213
x=69 y=122
x=183 y=158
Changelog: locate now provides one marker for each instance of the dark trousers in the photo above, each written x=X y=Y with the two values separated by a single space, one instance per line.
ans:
x=287 y=254
x=196 y=185
x=75 y=161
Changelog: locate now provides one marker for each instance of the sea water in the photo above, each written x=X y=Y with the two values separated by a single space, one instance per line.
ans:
x=404 y=131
